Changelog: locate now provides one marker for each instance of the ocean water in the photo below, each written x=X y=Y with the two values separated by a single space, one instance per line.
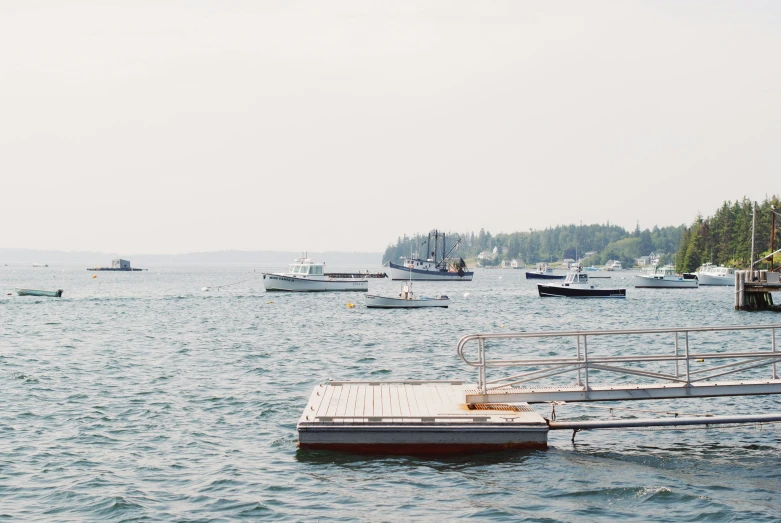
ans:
x=140 y=397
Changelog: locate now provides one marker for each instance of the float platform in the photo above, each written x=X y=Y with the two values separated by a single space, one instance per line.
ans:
x=414 y=418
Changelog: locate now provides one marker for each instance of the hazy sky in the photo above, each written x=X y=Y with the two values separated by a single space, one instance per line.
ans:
x=166 y=127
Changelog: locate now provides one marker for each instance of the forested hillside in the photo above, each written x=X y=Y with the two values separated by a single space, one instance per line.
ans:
x=725 y=237
x=555 y=243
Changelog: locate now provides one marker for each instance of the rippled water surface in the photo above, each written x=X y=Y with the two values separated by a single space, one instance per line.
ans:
x=138 y=396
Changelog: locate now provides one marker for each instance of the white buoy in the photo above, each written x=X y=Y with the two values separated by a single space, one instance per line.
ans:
x=205 y=289
x=500 y=277
x=467 y=294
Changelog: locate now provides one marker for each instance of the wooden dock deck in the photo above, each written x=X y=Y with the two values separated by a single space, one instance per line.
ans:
x=414 y=417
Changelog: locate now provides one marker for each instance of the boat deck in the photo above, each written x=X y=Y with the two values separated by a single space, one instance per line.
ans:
x=414 y=417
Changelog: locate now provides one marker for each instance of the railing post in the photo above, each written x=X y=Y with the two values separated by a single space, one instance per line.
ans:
x=585 y=359
x=687 y=357
x=481 y=374
x=579 y=382
x=773 y=346
x=676 y=356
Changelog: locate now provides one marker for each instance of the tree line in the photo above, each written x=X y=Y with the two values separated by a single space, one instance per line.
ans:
x=725 y=237
x=605 y=241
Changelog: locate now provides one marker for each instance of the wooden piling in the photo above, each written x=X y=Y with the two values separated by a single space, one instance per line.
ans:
x=753 y=291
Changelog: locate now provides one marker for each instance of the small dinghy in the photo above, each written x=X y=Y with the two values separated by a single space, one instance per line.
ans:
x=577 y=286
x=406 y=300
x=33 y=292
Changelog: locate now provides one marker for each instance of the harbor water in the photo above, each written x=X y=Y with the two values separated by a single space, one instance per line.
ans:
x=141 y=397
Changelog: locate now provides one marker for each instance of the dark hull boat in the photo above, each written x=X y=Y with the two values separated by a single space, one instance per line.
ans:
x=541 y=276
x=558 y=291
x=577 y=286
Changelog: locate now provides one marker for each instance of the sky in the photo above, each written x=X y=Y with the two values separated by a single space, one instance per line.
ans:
x=179 y=126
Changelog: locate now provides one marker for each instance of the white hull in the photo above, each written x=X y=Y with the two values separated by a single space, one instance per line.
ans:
x=710 y=279
x=404 y=275
x=279 y=282
x=382 y=302
x=650 y=282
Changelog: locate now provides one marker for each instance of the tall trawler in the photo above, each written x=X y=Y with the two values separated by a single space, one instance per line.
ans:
x=438 y=265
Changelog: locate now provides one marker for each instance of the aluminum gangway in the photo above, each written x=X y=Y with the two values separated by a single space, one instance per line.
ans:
x=677 y=368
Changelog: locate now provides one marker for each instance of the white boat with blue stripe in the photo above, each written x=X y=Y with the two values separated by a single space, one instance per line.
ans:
x=307 y=276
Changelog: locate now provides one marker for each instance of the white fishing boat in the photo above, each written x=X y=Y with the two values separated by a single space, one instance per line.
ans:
x=304 y=275
x=406 y=300
x=437 y=266
x=663 y=278
x=613 y=265
x=710 y=275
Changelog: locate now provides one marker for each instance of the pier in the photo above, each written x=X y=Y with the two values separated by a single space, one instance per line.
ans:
x=753 y=290
x=495 y=413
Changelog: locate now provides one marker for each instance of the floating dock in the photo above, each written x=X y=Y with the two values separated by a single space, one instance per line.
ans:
x=447 y=417
x=117 y=265
x=414 y=418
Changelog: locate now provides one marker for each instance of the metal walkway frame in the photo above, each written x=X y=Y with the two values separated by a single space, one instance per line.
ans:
x=682 y=383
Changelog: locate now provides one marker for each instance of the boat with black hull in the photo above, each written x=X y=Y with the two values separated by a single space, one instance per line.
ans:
x=576 y=285
x=434 y=267
x=543 y=272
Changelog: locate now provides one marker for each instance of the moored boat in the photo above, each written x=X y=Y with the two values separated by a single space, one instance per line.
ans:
x=710 y=275
x=576 y=285
x=664 y=278
x=406 y=300
x=434 y=267
x=35 y=292
x=305 y=275
x=543 y=272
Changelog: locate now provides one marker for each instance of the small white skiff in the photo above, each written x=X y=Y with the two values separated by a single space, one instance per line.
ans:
x=307 y=276
x=406 y=300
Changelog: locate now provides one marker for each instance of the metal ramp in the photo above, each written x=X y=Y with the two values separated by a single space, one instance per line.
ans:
x=669 y=370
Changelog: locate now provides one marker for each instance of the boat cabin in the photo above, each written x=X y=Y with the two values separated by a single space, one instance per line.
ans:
x=709 y=269
x=543 y=268
x=576 y=278
x=306 y=267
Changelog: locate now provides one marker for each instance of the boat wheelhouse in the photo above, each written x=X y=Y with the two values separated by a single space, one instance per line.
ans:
x=576 y=285
x=305 y=275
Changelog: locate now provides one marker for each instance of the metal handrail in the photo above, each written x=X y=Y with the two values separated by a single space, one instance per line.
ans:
x=581 y=363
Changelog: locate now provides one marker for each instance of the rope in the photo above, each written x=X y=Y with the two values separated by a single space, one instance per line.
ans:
x=228 y=284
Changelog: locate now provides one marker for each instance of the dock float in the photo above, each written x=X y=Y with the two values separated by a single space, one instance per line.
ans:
x=414 y=418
